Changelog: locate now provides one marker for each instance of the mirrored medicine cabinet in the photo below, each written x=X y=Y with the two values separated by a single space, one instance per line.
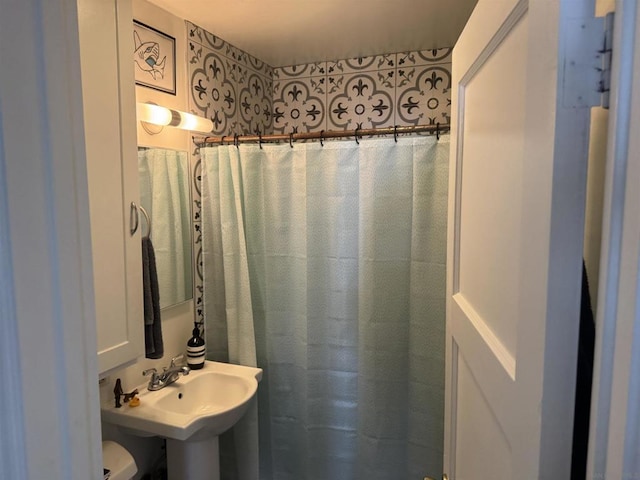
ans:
x=165 y=197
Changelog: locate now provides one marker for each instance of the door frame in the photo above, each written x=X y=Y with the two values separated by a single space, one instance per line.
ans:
x=49 y=400
x=615 y=414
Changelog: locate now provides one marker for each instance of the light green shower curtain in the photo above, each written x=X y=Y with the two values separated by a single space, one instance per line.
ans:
x=325 y=266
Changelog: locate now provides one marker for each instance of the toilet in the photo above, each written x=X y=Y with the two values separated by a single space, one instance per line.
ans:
x=118 y=462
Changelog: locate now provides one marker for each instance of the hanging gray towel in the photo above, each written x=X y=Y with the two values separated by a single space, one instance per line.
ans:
x=154 y=347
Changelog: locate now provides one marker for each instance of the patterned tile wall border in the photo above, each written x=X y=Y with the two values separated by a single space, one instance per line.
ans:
x=234 y=90
x=227 y=85
x=379 y=91
x=196 y=190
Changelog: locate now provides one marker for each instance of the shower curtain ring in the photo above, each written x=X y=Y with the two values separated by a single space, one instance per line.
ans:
x=222 y=140
x=356 y=132
x=321 y=138
x=291 y=139
x=260 y=140
x=236 y=140
x=437 y=131
x=395 y=133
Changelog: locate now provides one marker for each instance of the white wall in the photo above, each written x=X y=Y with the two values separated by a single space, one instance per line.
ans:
x=159 y=19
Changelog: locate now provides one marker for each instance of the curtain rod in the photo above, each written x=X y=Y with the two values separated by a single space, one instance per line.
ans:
x=322 y=135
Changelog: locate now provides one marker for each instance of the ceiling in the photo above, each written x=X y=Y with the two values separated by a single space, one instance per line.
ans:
x=294 y=32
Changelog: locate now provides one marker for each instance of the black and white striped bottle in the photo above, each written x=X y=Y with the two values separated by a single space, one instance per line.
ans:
x=195 y=350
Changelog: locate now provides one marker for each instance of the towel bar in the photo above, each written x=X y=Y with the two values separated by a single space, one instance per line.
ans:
x=148 y=218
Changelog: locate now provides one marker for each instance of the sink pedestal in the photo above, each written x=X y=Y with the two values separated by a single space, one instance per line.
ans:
x=193 y=459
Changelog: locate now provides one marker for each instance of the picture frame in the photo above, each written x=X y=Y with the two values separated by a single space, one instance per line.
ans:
x=154 y=58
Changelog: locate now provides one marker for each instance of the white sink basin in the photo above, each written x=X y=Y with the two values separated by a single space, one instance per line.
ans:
x=207 y=401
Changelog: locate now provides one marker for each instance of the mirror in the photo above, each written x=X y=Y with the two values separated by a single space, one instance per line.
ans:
x=165 y=196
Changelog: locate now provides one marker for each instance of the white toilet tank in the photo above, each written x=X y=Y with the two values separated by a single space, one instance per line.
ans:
x=118 y=462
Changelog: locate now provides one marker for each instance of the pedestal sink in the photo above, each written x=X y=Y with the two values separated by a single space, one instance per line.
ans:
x=190 y=414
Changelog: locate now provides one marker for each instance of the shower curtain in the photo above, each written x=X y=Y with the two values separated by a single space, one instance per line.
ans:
x=325 y=266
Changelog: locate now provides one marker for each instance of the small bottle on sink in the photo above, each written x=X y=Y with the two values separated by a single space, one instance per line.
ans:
x=196 y=350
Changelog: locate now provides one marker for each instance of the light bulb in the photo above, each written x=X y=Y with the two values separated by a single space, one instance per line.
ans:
x=154 y=114
x=157 y=115
x=195 y=123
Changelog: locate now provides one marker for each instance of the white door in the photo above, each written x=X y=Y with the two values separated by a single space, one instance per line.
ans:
x=524 y=79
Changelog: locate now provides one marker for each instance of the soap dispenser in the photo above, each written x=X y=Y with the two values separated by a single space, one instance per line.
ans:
x=195 y=349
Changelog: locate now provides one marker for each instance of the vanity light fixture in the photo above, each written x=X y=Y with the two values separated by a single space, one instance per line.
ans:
x=149 y=113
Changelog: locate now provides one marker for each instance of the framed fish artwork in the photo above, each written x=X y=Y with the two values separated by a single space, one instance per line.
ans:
x=154 y=58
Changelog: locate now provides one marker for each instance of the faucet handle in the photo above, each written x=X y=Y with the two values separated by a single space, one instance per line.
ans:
x=176 y=359
x=154 y=381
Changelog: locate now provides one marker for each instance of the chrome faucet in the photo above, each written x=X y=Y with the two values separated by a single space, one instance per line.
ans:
x=168 y=375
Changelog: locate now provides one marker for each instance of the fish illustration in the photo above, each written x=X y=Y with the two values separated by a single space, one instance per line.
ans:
x=146 y=55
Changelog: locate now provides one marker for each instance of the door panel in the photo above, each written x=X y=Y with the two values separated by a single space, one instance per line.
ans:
x=490 y=201
x=478 y=425
x=516 y=222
